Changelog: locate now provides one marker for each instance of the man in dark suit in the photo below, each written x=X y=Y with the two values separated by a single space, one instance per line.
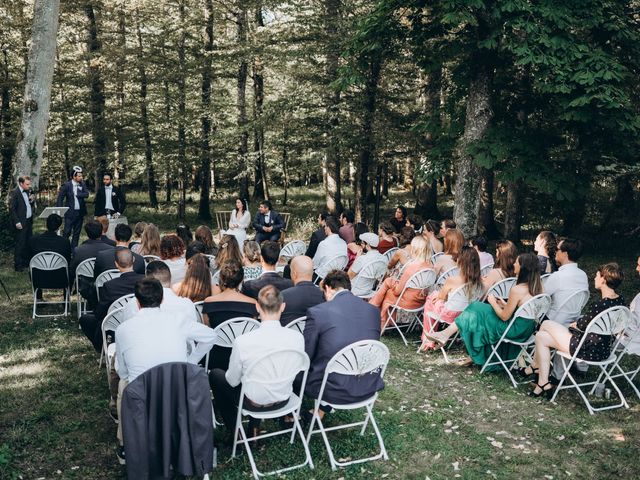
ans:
x=88 y=249
x=343 y=319
x=317 y=236
x=104 y=221
x=267 y=223
x=106 y=259
x=111 y=291
x=269 y=253
x=73 y=194
x=21 y=209
x=50 y=241
x=109 y=198
x=304 y=294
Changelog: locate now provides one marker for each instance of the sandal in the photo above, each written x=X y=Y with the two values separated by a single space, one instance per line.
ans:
x=524 y=375
x=545 y=392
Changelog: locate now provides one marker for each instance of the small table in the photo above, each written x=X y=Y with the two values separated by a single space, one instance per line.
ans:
x=112 y=226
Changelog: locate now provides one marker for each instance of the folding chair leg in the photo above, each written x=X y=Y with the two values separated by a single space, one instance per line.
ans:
x=383 y=450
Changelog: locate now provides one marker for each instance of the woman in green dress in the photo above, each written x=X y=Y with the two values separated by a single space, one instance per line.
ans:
x=481 y=325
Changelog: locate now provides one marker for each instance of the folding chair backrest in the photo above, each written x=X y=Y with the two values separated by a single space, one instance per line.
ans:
x=212 y=259
x=276 y=368
x=293 y=249
x=215 y=279
x=435 y=256
x=85 y=268
x=222 y=219
x=107 y=275
x=198 y=306
x=372 y=272
x=421 y=280
x=502 y=288
x=359 y=358
x=390 y=253
x=443 y=276
x=127 y=302
x=573 y=305
x=484 y=271
x=335 y=263
x=228 y=331
x=298 y=324
x=459 y=299
x=535 y=308
x=285 y=217
x=543 y=279
x=49 y=262
x=111 y=322
x=150 y=258
x=612 y=321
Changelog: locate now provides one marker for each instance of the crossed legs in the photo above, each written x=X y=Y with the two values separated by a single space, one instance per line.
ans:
x=551 y=335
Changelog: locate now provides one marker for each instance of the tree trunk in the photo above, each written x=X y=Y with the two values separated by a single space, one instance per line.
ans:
x=469 y=174
x=243 y=68
x=204 y=212
x=37 y=95
x=66 y=131
x=120 y=168
x=407 y=174
x=513 y=211
x=261 y=189
x=427 y=201
x=285 y=166
x=6 y=126
x=487 y=222
x=144 y=118
x=96 y=97
x=168 y=173
x=385 y=179
x=182 y=135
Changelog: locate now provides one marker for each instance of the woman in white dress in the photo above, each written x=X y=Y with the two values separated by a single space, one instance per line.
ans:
x=239 y=221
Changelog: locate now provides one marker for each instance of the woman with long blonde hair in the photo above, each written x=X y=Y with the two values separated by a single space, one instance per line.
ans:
x=150 y=241
x=196 y=285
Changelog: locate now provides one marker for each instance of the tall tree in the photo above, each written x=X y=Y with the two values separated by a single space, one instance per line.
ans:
x=261 y=189
x=204 y=212
x=241 y=99
x=182 y=103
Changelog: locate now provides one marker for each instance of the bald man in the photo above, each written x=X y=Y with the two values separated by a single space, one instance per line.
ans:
x=304 y=294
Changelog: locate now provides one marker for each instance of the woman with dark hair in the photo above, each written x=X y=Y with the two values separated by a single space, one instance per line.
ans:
x=172 y=253
x=227 y=304
x=203 y=234
x=239 y=221
x=506 y=254
x=355 y=247
x=399 y=219
x=555 y=335
x=196 y=285
x=185 y=234
x=545 y=246
x=481 y=325
x=453 y=243
x=430 y=232
x=469 y=265
x=387 y=239
x=414 y=221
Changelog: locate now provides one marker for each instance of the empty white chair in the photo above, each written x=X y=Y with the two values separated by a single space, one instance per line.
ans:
x=298 y=324
x=293 y=249
x=283 y=374
x=335 y=263
x=110 y=324
x=359 y=358
x=104 y=277
x=49 y=262
x=84 y=269
x=367 y=279
x=501 y=288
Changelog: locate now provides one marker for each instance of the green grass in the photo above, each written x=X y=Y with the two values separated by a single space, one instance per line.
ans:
x=439 y=421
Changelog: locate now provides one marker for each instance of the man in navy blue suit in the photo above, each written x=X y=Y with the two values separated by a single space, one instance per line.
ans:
x=267 y=223
x=73 y=194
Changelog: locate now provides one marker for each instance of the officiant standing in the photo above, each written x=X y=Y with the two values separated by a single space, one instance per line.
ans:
x=21 y=208
x=73 y=194
x=109 y=198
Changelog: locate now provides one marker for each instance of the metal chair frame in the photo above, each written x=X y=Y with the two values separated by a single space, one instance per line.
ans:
x=49 y=261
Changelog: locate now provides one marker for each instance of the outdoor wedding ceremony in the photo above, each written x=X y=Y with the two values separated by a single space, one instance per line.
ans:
x=319 y=239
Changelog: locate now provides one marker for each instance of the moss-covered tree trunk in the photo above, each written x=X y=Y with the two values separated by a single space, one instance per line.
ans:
x=513 y=210
x=487 y=223
x=241 y=102
x=204 y=212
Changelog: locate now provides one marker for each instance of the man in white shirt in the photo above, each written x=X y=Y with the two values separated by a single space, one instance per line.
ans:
x=271 y=337
x=153 y=337
x=368 y=254
x=330 y=247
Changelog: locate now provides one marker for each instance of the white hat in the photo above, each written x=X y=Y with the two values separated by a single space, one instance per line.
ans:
x=371 y=238
x=77 y=169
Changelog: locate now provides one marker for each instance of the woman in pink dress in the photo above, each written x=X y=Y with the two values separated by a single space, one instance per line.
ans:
x=391 y=288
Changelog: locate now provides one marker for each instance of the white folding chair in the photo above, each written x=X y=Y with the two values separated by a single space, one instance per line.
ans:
x=443 y=277
x=612 y=322
x=543 y=279
x=457 y=300
x=421 y=280
x=273 y=368
x=627 y=348
x=104 y=277
x=335 y=263
x=535 y=309
x=84 y=269
x=298 y=324
x=293 y=249
x=110 y=323
x=150 y=258
x=435 y=256
x=572 y=307
x=229 y=330
x=358 y=359
x=484 y=271
x=501 y=288
x=389 y=254
x=198 y=306
x=128 y=302
x=49 y=262
x=215 y=279
x=370 y=276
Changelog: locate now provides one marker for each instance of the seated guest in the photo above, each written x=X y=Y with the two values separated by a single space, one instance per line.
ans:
x=414 y=221
x=172 y=251
x=269 y=255
x=368 y=254
x=304 y=294
x=346 y=231
x=506 y=254
x=631 y=338
x=267 y=223
x=317 y=236
x=469 y=264
x=227 y=304
x=88 y=249
x=545 y=246
x=341 y=320
x=445 y=226
x=196 y=285
x=391 y=288
x=184 y=233
x=271 y=337
x=555 y=335
x=50 y=241
x=330 y=247
x=152 y=337
x=105 y=260
x=430 y=232
x=110 y=292
x=203 y=234
x=481 y=325
x=399 y=219
x=480 y=244
x=171 y=303
x=193 y=249
x=138 y=230
x=453 y=243
x=403 y=254
x=150 y=242
x=355 y=248
x=104 y=221
x=229 y=250
x=251 y=260
x=387 y=238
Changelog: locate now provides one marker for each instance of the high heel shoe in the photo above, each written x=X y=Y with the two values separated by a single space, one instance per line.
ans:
x=524 y=376
x=546 y=393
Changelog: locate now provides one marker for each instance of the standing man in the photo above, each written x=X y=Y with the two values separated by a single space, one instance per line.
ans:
x=73 y=194
x=267 y=223
x=21 y=207
x=109 y=198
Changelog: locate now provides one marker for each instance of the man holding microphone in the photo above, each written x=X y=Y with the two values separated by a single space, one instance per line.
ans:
x=73 y=194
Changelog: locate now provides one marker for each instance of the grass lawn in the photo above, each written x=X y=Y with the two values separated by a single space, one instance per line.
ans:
x=438 y=421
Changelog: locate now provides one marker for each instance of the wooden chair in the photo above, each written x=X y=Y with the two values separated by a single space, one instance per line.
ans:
x=222 y=219
x=283 y=232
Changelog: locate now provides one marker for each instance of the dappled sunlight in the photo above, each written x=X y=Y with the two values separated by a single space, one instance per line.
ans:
x=21 y=355
x=26 y=375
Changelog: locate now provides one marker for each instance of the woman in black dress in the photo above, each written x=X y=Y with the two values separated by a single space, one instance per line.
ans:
x=545 y=246
x=555 y=335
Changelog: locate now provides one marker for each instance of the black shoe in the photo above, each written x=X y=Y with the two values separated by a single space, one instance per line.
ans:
x=524 y=376
x=544 y=392
x=120 y=455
